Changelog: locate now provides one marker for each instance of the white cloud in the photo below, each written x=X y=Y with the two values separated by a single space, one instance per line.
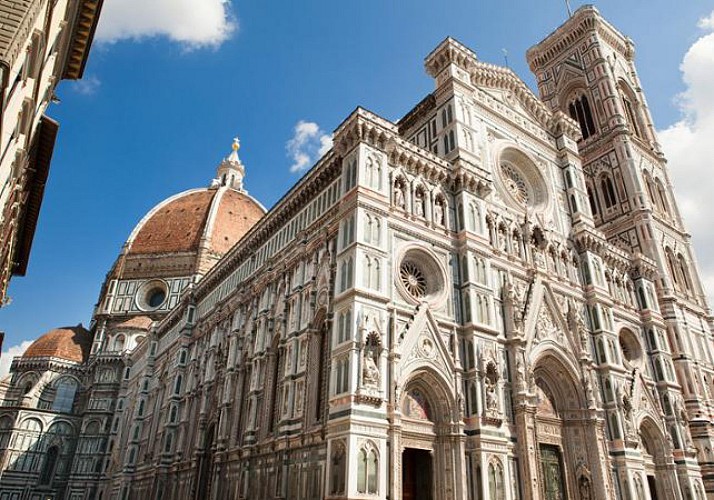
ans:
x=193 y=23
x=88 y=85
x=307 y=145
x=7 y=356
x=689 y=147
x=707 y=23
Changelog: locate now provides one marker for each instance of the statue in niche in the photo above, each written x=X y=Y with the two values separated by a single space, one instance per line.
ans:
x=589 y=393
x=491 y=392
x=682 y=411
x=511 y=298
x=584 y=488
x=419 y=203
x=370 y=371
x=627 y=411
x=399 y=194
x=439 y=211
x=491 y=401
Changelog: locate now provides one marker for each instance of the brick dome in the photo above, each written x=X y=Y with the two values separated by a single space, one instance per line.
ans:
x=70 y=343
x=217 y=216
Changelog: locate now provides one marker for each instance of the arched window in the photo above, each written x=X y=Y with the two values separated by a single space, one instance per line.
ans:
x=376 y=275
x=684 y=270
x=367 y=475
x=473 y=216
x=321 y=396
x=662 y=196
x=5 y=430
x=630 y=104
x=593 y=201
x=650 y=190
x=579 y=110
x=608 y=191
x=672 y=266
x=66 y=389
x=48 y=470
x=495 y=481
x=275 y=372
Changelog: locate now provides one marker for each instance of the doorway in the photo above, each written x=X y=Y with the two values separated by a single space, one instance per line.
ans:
x=416 y=474
x=652 y=483
x=552 y=467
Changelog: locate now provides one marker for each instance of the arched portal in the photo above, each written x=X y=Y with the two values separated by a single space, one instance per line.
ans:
x=562 y=450
x=430 y=440
x=654 y=458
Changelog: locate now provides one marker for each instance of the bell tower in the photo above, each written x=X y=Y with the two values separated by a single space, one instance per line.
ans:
x=586 y=69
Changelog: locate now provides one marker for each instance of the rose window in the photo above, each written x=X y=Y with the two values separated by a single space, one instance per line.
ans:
x=515 y=183
x=413 y=279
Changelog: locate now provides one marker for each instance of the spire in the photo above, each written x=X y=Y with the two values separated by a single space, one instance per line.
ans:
x=231 y=170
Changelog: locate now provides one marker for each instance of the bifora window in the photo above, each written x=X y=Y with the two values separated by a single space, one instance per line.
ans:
x=579 y=110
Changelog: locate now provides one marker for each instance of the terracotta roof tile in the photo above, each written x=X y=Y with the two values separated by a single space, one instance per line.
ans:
x=236 y=215
x=179 y=225
x=71 y=343
x=136 y=323
x=175 y=227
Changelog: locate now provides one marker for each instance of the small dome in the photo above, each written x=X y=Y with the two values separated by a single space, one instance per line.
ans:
x=218 y=216
x=70 y=343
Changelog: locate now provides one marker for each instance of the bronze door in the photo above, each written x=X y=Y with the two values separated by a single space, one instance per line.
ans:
x=416 y=474
x=551 y=465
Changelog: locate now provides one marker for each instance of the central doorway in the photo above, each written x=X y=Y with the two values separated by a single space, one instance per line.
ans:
x=652 y=483
x=553 y=484
x=416 y=474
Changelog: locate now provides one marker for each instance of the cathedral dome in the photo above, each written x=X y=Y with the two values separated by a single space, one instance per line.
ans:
x=70 y=343
x=214 y=217
x=187 y=233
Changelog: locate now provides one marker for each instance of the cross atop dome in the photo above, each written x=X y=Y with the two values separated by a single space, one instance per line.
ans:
x=231 y=170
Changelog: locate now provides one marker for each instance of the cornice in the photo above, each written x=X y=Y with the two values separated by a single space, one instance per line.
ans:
x=449 y=51
x=82 y=37
x=586 y=19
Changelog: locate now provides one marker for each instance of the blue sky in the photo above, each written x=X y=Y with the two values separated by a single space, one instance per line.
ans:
x=162 y=98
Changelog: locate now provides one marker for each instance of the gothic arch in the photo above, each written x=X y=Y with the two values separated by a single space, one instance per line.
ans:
x=578 y=104
x=632 y=108
x=558 y=371
x=656 y=457
x=434 y=387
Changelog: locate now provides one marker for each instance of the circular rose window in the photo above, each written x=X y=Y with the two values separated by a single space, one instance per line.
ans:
x=520 y=181
x=152 y=295
x=413 y=279
x=420 y=276
x=515 y=183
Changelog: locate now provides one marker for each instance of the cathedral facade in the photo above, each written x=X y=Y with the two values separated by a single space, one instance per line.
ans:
x=492 y=298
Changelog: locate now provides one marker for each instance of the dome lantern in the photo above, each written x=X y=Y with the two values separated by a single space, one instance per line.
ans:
x=231 y=170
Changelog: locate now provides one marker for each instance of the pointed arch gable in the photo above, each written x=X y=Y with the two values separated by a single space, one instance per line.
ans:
x=424 y=346
x=543 y=297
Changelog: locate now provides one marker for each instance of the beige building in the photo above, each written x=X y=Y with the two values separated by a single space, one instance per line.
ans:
x=492 y=298
x=41 y=43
